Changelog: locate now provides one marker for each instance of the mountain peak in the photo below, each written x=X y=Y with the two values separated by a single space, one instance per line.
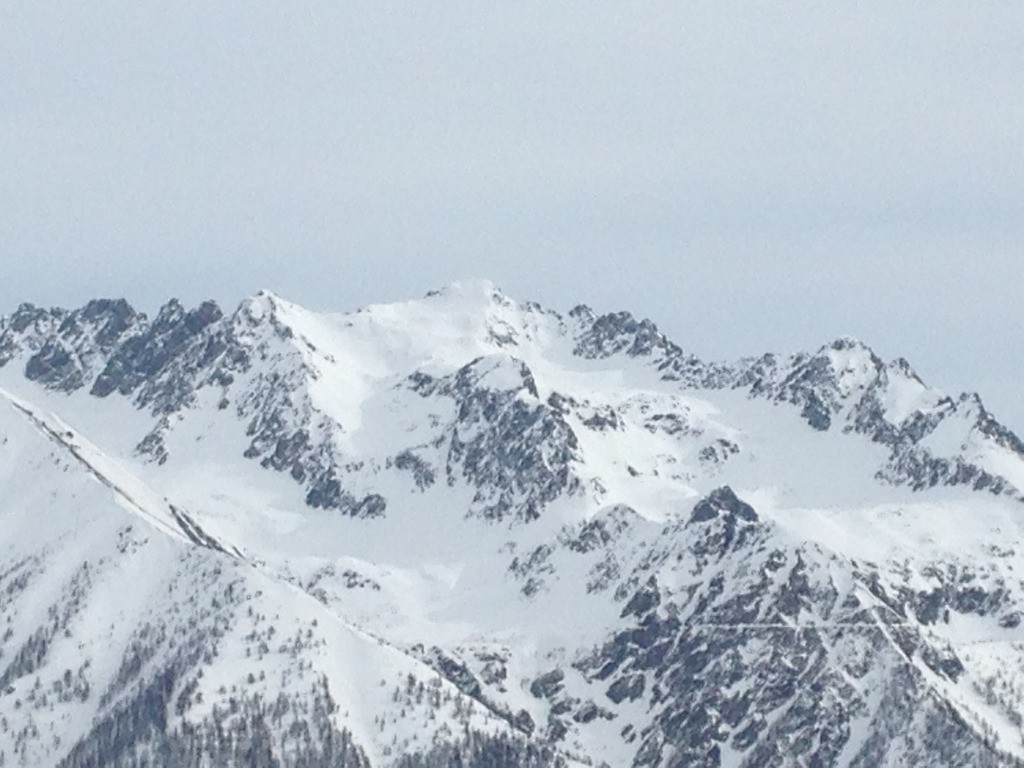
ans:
x=472 y=288
x=469 y=297
x=522 y=514
x=846 y=343
x=850 y=352
x=262 y=304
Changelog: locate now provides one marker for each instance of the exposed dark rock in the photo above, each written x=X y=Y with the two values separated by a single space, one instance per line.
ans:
x=327 y=493
x=519 y=455
x=422 y=472
x=54 y=365
x=645 y=600
x=620 y=332
x=719 y=502
x=548 y=684
x=175 y=336
x=631 y=688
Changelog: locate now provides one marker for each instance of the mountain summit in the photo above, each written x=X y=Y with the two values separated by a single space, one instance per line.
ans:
x=467 y=530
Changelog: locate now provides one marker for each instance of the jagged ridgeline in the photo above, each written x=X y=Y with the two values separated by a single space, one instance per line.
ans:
x=469 y=531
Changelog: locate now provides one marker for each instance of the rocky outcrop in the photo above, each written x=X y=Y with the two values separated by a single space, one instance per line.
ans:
x=516 y=451
x=755 y=653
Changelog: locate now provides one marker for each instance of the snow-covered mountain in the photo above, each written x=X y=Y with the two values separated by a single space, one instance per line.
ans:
x=465 y=530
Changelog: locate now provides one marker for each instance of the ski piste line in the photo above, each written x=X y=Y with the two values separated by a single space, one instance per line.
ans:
x=852 y=625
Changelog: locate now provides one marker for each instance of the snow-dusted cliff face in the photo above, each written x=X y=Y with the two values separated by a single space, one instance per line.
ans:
x=465 y=530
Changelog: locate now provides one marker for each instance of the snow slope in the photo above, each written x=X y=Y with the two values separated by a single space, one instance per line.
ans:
x=465 y=528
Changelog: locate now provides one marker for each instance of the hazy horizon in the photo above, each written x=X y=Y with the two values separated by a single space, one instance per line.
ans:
x=750 y=177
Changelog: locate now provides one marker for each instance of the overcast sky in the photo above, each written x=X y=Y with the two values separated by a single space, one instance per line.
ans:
x=752 y=175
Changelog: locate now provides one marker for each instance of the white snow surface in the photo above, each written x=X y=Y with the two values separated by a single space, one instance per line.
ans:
x=377 y=594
